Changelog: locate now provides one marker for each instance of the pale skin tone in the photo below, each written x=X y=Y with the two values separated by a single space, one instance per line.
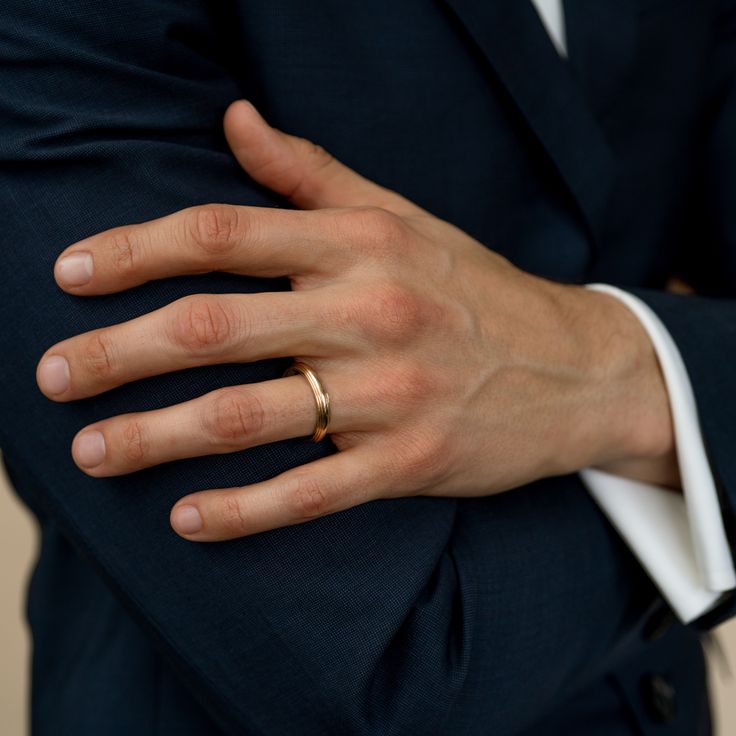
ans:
x=450 y=371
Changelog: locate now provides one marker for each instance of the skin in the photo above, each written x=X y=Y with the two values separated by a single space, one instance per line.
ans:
x=450 y=371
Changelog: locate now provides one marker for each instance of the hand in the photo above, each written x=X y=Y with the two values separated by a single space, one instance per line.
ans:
x=450 y=371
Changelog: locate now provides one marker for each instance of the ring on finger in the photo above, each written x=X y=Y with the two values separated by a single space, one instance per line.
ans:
x=321 y=397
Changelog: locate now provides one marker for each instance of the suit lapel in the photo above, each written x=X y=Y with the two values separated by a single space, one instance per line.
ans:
x=545 y=89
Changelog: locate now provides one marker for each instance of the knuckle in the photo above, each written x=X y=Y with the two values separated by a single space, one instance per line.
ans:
x=379 y=230
x=306 y=498
x=309 y=175
x=422 y=458
x=394 y=313
x=124 y=251
x=98 y=356
x=235 y=416
x=135 y=445
x=202 y=324
x=232 y=516
x=317 y=156
x=215 y=228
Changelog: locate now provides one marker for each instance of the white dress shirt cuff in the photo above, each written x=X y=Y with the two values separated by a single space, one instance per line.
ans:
x=680 y=539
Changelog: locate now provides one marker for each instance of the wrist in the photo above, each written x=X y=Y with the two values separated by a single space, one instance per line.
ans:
x=625 y=426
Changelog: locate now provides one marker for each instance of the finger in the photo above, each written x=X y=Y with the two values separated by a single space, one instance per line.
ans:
x=257 y=241
x=226 y=420
x=299 y=170
x=319 y=488
x=206 y=329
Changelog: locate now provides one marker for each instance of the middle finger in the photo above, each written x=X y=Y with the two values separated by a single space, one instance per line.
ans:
x=193 y=331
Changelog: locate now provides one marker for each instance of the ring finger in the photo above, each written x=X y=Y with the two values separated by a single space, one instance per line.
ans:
x=222 y=421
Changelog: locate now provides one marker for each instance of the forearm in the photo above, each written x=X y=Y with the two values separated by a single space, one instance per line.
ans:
x=391 y=587
x=154 y=147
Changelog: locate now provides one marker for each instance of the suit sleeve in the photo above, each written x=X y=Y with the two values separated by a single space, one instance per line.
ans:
x=679 y=538
x=371 y=621
x=704 y=326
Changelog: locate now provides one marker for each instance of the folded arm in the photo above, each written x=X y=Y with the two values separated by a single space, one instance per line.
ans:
x=703 y=325
x=368 y=621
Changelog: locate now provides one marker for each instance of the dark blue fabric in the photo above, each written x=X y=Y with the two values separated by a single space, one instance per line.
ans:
x=415 y=616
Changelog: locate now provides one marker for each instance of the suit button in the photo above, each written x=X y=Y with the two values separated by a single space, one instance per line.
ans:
x=659 y=698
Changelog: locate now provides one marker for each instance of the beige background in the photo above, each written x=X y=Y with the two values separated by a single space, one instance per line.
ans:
x=17 y=549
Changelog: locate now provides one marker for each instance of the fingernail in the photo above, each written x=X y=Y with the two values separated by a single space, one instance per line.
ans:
x=74 y=269
x=89 y=449
x=186 y=520
x=53 y=375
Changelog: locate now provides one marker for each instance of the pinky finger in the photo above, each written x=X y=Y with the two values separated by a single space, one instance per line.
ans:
x=308 y=492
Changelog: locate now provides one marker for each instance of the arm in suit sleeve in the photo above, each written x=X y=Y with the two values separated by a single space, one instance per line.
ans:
x=680 y=538
x=372 y=621
x=704 y=326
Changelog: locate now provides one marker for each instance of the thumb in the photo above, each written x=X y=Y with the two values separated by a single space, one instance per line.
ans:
x=300 y=170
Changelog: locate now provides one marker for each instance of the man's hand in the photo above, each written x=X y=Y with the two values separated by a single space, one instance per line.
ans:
x=450 y=371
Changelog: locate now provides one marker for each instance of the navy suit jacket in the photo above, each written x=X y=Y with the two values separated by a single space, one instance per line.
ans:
x=517 y=613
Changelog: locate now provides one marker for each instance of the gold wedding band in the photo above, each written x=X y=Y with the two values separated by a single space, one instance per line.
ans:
x=321 y=397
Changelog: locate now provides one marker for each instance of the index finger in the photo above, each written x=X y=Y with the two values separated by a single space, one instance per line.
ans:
x=257 y=241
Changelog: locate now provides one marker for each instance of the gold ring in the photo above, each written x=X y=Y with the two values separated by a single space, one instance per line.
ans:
x=321 y=397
